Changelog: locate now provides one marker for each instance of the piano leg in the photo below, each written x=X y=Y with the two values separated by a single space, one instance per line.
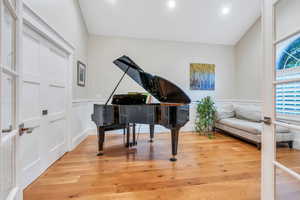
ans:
x=101 y=137
x=151 y=127
x=134 y=143
x=174 y=133
x=128 y=136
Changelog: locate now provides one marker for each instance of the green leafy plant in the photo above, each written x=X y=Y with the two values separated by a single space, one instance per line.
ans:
x=206 y=117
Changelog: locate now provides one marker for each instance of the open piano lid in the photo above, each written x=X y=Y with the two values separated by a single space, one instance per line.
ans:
x=162 y=89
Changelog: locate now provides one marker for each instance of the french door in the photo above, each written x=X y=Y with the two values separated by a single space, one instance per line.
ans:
x=281 y=48
x=10 y=22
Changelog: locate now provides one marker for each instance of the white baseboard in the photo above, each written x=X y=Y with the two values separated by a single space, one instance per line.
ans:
x=82 y=136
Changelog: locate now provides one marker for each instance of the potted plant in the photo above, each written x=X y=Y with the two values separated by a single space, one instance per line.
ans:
x=206 y=116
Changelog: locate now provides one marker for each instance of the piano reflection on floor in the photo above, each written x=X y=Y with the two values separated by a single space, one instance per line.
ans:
x=128 y=110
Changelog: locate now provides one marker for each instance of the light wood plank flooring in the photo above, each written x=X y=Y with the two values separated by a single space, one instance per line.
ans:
x=211 y=169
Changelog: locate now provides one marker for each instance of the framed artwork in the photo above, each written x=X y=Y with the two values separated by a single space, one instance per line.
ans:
x=202 y=76
x=81 y=74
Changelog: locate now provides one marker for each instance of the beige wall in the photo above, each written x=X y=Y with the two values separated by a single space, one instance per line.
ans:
x=167 y=59
x=248 y=64
x=65 y=17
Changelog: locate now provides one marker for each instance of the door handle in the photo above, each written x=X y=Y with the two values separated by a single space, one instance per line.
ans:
x=8 y=130
x=267 y=120
x=22 y=129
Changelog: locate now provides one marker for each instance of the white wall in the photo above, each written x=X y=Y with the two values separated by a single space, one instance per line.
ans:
x=248 y=62
x=65 y=17
x=167 y=59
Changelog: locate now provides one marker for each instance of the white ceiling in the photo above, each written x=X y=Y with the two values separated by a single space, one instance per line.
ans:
x=190 y=21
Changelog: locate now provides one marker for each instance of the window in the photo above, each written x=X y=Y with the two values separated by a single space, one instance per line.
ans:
x=288 y=67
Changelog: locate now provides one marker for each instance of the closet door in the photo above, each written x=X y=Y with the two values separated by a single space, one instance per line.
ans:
x=43 y=104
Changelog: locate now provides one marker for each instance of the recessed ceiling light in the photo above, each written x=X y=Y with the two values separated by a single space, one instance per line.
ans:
x=225 y=10
x=171 y=4
x=112 y=1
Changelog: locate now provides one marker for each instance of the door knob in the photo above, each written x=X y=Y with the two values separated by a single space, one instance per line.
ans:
x=22 y=129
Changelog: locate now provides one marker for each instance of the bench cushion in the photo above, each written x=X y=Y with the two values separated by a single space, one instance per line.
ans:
x=252 y=127
x=249 y=112
x=225 y=111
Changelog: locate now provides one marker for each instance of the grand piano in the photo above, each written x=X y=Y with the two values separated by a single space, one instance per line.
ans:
x=126 y=111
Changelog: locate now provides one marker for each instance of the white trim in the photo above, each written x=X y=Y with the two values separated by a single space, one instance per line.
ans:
x=239 y=101
x=287 y=170
x=80 y=137
x=288 y=118
x=292 y=80
x=11 y=9
x=289 y=126
x=31 y=18
x=76 y=101
x=8 y=136
x=268 y=134
x=9 y=71
x=275 y=2
x=13 y=194
x=286 y=37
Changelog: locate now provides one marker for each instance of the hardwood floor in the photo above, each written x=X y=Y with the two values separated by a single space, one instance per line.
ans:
x=217 y=169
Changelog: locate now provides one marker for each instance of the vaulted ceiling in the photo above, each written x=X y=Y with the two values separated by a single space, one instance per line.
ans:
x=203 y=21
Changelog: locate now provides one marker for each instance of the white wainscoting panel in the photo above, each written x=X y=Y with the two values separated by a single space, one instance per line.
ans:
x=82 y=124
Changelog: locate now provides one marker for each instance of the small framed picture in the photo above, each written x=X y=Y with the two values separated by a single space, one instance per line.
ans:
x=81 y=74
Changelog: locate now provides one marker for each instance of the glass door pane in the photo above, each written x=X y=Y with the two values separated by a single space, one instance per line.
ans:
x=8 y=40
x=7 y=113
x=287 y=187
x=288 y=148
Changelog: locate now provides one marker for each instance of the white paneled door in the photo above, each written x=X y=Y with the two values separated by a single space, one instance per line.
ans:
x=43 y=104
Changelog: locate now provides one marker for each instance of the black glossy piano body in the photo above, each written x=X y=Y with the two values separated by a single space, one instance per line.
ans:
x=172 y=113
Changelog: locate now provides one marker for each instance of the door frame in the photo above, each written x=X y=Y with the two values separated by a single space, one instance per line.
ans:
x=268 y=136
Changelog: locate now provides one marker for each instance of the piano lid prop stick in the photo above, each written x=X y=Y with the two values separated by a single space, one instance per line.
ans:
x=116 y=86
